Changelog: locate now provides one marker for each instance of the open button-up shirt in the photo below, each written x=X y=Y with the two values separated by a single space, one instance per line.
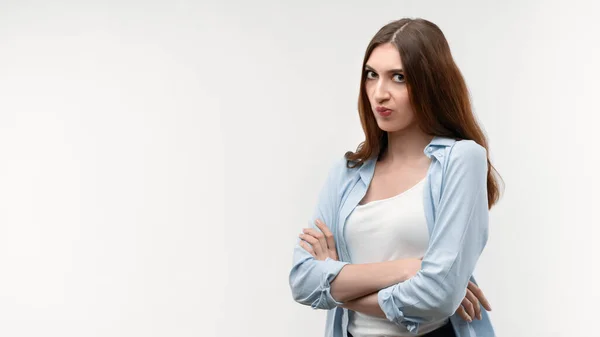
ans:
x=456 y=210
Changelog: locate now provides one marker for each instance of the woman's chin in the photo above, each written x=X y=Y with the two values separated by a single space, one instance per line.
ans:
x=390 y=127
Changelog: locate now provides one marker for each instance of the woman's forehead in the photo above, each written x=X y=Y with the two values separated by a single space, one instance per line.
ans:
x=385 y=57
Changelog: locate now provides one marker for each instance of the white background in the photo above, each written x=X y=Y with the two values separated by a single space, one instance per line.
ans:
x=158 y=158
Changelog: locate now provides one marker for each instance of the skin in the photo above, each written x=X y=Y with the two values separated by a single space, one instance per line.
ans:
x=402 y=166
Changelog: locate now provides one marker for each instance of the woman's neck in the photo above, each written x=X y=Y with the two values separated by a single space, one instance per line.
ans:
x=406 y=145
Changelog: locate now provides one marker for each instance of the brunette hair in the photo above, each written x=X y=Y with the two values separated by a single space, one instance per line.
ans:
x=436 y=88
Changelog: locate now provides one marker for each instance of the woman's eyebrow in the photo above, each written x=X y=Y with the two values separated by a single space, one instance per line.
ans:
x=399 y=70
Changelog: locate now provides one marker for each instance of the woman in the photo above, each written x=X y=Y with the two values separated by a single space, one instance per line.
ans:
x=407 y=213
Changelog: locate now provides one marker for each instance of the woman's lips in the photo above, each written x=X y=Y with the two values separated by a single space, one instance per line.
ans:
x=384 y=112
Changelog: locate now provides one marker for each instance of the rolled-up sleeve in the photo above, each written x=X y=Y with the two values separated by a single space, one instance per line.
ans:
x=457 y=240
x=310 y=279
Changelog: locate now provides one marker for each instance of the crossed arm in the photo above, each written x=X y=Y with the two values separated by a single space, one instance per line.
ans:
x=357 y=285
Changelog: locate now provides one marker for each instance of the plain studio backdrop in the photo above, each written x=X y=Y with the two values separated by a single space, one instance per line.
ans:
x=159 y=158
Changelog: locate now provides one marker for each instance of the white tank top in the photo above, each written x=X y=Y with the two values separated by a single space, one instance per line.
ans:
x=384 y=230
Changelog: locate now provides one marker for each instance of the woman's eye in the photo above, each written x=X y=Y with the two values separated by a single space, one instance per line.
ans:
x=399 y=78
x=371 y=75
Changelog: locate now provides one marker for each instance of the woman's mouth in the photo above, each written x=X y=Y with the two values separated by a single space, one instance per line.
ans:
x=383 y=111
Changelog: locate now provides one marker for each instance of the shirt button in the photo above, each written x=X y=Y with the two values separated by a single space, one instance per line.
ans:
x=429 y=150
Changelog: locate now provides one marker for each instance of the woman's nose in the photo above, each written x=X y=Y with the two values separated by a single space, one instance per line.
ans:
x=381 y=92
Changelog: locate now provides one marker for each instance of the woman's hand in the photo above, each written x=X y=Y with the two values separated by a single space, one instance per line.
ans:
x=469 y=307
x=319 y=244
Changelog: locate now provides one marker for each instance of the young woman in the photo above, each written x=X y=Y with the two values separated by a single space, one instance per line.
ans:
x=401 y=222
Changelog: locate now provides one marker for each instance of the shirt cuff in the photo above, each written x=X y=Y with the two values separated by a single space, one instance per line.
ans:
x=391 y=309
x=332 y=269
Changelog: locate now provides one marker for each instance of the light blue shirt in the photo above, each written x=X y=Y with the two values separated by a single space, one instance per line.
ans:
x=456 y=210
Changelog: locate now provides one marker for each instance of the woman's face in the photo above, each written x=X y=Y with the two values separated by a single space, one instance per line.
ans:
x=386 y=88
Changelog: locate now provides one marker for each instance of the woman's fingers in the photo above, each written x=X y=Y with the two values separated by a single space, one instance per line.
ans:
x=317 y=235
x=468 y=307
x=307 y=247
x=328 y=235
x=329 y=238
x=480 y=296
x=316 y=246
x=462 y=313
x=475 y=302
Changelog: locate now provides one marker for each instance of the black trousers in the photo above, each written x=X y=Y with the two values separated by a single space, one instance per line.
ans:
x=445 y=331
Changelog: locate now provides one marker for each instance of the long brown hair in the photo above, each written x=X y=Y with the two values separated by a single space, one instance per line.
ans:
x=436 y=88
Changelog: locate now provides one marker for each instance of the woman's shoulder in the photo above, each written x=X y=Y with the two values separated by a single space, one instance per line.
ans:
x=344 y=167
x=467 y=156
x=467 y=150
x=343 y=171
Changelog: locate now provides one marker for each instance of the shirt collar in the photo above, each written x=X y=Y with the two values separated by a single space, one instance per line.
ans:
x=435 y=148
x=437 y=144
